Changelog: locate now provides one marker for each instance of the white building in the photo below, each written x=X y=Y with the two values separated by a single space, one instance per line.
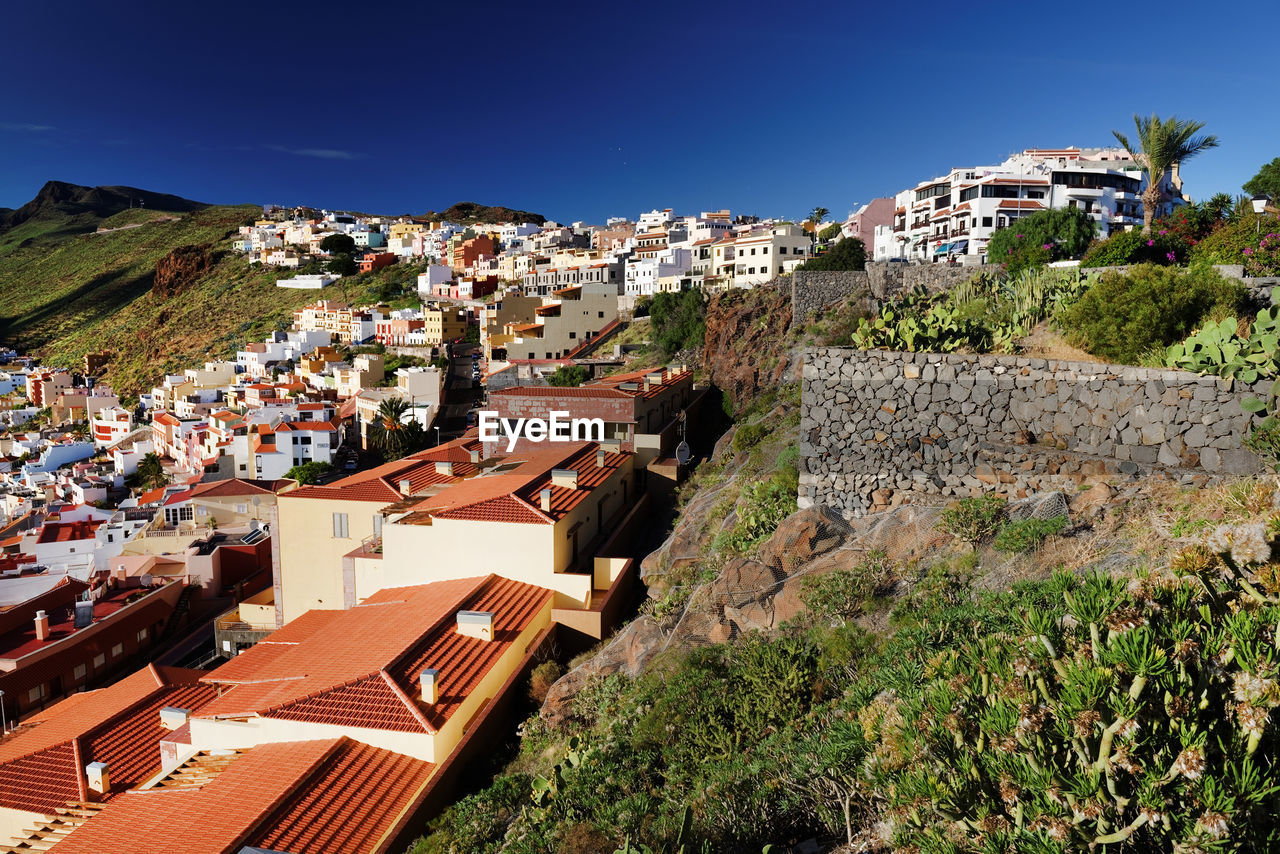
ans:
x=954 y=216
x=436 y=274
x=309 y=282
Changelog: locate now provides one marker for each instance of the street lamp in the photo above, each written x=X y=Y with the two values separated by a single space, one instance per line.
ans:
x=437 y=435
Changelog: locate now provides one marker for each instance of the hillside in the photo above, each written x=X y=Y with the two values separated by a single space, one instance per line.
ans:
x=89 y=292
x=469 y=213
x=60 y=210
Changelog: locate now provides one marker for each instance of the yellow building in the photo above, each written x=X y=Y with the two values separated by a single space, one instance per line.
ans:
x=442 y=324
x=537 y=517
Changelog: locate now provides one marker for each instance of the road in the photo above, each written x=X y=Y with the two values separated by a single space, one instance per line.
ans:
x=459 y=396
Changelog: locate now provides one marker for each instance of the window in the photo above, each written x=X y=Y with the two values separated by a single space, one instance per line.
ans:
x=764 y=250
x=986 y=222
x=34 y=695
x=117 y=650
x=142 y=635
x=306 y=440
x=573 y=335
x=782 y=250
x=340 y=526
x=779 y=269
x=99 y=660
x=242 y=508
x=600 y=314
x=79 y=672
x=377 y=524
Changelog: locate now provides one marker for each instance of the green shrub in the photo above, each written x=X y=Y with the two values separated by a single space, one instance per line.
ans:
x=1044 y=236
x=973 y=519
x=1227 y=244
x=840 y=595
x=847 y=254
x=1265 y=260
x=678 y=321
x=1264 y=440
x=1126 y=315
x=1134 y=247
x=762 y=507
x=1027 y=534
x=568 y=376
x=749 y=435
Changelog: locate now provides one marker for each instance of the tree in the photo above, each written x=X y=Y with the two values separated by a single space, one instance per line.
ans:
x=816 y=218
x=847 y=254
x=1162 y=144
x=338 y=244
x=343 y=265
x=309 y=472
x=1220 y=206
x=391 y=434
x=1044 y=236
x=151 y=474
x=568 y=376
x=1266 y=182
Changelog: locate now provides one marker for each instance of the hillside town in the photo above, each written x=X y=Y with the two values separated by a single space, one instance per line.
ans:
x=307 y=581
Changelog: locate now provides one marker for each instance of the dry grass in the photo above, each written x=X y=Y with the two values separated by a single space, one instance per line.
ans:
x=1044 y=343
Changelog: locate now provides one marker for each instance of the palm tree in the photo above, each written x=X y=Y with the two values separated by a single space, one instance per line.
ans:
x=1162 y=144
x=1219 y=206
x=816 y=218
x=151 y=473
x=390 y=434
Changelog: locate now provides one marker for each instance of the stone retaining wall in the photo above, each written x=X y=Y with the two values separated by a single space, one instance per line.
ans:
x=877 y=423
x=812 y=291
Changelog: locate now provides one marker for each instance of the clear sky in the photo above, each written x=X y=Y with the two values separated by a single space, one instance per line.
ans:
x=586 y=110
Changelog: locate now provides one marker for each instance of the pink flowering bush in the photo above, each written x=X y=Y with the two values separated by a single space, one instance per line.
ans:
x=1265 y=260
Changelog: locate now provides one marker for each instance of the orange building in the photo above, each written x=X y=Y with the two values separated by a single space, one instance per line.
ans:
x=468 y=252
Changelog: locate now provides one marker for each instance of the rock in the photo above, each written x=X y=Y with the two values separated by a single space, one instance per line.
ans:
x=180 y=269
x=1092 y=502
x=803 y=536
x=628 y=653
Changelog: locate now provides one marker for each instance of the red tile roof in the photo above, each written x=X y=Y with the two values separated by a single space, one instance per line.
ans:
x=332 y=795
x=369 y=679
x=515 y=496
x=382 y=484
x=66 y=532
x=41 y=765
x=1021 y=204
x=238 y=486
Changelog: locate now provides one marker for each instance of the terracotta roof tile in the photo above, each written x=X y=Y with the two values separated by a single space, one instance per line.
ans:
x=41 y=765
x=371 y=681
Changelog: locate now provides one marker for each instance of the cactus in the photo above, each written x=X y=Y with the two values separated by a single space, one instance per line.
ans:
x=1128 y=718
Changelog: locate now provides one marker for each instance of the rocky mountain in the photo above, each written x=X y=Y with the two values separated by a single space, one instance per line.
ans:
x=58 y=200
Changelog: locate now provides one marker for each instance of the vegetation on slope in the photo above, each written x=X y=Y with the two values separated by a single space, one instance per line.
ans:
x=93 y=292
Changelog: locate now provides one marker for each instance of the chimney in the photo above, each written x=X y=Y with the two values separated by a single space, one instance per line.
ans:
x=171 y=717
x=475 y=455
x=406 y=487
x=99 y=776
x=476 y=624
x=599 y=458
x=429 y=679
x=444 y=467
x=42 y=625
x=545 y=496
x=568 y=478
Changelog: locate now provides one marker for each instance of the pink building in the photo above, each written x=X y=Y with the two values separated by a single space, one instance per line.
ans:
x=862 y=222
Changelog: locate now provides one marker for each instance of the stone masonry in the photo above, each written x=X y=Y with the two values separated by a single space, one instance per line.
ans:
x=812 y=291
x=876 y=423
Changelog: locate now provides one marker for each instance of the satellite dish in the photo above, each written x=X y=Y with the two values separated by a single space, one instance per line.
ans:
x=682 y=453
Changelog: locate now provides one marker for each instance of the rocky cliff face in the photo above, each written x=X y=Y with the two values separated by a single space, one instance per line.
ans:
x=180 y=269
x=746 y=343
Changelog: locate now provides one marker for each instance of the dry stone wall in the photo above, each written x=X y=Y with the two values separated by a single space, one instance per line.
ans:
x=876 y=424
x=812 y=291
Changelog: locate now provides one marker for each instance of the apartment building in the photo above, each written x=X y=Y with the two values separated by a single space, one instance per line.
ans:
x=953 y=217
x=767 y=253
x=570 y=318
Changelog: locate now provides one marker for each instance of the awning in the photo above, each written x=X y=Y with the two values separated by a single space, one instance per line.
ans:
x=942 y=250
x=959 y=247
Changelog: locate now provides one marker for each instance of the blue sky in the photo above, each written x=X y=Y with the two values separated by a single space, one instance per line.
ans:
x=586 y=110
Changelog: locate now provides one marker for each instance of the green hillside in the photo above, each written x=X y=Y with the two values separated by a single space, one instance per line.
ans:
x=66 y=295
